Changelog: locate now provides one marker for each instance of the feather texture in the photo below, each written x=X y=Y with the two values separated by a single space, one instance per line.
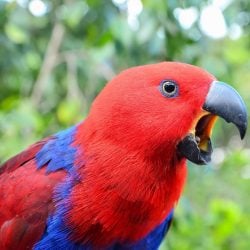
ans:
x=26 y=200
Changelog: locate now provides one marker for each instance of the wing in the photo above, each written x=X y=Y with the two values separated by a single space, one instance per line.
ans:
x=25 y=202
x=27 y=184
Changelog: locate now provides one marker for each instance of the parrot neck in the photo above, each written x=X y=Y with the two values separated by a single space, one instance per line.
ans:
x=127 y=190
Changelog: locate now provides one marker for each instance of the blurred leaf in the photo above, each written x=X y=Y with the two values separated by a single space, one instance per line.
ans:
x=68 y=112
x=15 y=33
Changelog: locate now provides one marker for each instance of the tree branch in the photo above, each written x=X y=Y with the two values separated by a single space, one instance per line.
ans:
x=49 y=62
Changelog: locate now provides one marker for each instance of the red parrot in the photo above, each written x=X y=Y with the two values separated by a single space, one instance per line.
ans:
x=113 y=181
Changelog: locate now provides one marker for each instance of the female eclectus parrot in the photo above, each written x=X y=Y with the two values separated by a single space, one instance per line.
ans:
x=113 y=181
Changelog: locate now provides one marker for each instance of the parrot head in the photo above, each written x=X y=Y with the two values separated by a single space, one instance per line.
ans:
x=167 y=108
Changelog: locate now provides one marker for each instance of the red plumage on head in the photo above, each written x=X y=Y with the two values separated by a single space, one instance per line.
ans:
x=132 y=174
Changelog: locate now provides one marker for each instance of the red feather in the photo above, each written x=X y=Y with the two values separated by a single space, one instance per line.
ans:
x=19 y=159
x=24 y=208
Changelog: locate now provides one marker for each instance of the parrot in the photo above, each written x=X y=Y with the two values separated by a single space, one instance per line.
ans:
x=113 y=181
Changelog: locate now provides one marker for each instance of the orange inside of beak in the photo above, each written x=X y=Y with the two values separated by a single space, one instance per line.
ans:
x=203 y=129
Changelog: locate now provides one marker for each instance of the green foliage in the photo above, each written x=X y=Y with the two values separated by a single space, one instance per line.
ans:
x=52 y=66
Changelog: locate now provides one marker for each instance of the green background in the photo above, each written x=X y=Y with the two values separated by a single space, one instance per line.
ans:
x=53 y=65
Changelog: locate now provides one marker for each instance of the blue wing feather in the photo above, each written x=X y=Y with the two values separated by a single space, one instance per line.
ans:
x=58 y=154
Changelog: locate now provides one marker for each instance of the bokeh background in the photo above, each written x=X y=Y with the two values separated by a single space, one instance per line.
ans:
x=55 y=56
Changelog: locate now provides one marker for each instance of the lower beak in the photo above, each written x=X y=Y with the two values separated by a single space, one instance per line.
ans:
x=223 y=101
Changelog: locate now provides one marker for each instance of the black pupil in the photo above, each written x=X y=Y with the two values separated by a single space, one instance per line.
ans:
x=169 y=87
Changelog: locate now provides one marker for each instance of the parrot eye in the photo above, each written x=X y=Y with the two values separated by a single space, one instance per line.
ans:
x=169 y=88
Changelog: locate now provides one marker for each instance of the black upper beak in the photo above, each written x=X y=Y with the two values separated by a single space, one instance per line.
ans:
x=224 y=101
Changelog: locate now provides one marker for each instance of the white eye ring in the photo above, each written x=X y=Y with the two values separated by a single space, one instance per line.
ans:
x=169 y=88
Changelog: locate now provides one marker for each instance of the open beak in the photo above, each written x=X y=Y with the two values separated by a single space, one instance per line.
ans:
x=223 y=101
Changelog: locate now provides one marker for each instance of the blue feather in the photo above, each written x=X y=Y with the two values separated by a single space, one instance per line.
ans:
x=59 y=154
